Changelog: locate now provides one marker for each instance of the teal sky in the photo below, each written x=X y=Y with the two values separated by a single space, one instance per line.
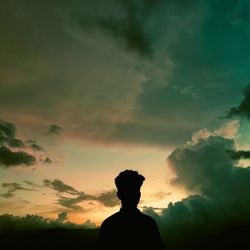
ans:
x=107 y=87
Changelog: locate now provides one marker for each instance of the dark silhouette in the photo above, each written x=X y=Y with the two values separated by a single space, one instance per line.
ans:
x=129 y=228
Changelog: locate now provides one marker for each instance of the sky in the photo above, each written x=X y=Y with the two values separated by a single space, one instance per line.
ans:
x=88 y=90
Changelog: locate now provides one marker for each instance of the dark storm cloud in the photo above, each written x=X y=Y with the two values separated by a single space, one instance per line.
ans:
x=243 y=109
x=12 y=188
x=60 y=186
x=129 y=29
x=220 y=204
x=9 y=158
x=185 y=67
x=207 y=168
x=135 y=25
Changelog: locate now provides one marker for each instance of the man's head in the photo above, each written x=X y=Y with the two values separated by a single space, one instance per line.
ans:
x=128 y=184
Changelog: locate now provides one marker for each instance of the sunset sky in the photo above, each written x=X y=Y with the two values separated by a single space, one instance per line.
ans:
x=88 y=89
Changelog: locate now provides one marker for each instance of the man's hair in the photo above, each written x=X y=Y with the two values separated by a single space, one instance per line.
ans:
x=129 y=179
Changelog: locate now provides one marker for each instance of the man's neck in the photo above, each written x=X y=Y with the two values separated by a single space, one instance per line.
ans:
x=129 y=209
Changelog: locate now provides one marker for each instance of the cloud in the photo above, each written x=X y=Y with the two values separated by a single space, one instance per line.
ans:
x=132 y=58
x=60 y=186
x=108 y=198
x=9 y=158
x=243 y=109
x=16 y=152
x=16 y=143
x=161 y=195
x=129 y=30
x=30 y=183
x=54 y=129
x=241 y=154
x=7 y=129
x=36 y=147
x=218 y=208
x=89 y=224
x=126 y=44
x=71 y=203
x=12 y=188
x=47 y=160
x=35 y=222
x=62 y=216
x=208 y=168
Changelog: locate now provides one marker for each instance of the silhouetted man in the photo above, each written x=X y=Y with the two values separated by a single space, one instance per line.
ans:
x=129 y=228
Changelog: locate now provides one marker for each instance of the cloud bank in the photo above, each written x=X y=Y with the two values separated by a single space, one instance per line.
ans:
x=208 y=169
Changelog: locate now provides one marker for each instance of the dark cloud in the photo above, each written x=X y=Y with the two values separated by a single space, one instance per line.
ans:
x=89 y=224
x=241 y=154
x=13 y=150
x=108 y=199
x=12 y=188
x=60 y=186
x=34 y=222
x=220 y=202
x=216 y=216
x=62 y=216
x=154 y=95
x=134 y=25
x=243 y=109
x=16 y=143
x=7 y=134
x=7 y=129
x=47 y=160
x=129 y=30
x=207 y=168
x=71 y=203
x=36 y=147
x=30 y=183
x=54 y=130
x=9 y=158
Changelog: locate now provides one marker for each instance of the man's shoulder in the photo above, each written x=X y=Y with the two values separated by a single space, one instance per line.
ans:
x=117 y=217
x=147 y=218
x=111 y=219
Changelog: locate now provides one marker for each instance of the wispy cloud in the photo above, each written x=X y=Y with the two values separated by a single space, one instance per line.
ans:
x=107 y=198
x=60 y=186
x=12 y=188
